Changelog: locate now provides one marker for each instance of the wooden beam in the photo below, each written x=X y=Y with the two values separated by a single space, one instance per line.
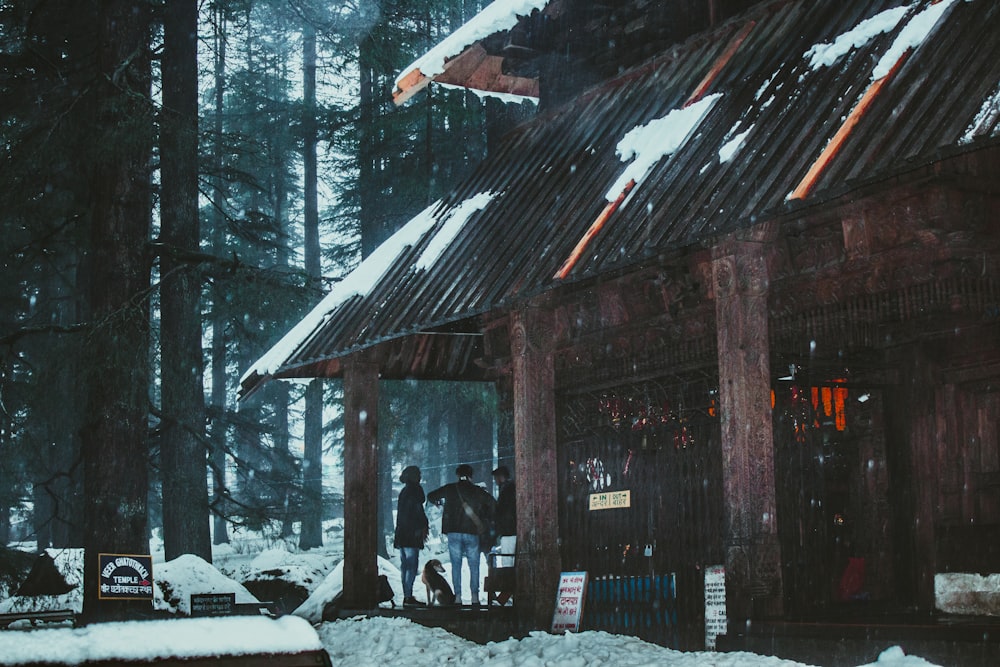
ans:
x=741 y=270
x=535 y=469
x=360 y=482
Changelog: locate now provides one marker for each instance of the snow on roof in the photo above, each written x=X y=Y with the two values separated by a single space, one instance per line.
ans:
x=498 y=15
x=911 y=37
x=660 y=137
x=507 y=98
x=989 y=111
x=360 y=281
x=824 y=55
x=357 y=282
x=733 y=145
x=455 y=219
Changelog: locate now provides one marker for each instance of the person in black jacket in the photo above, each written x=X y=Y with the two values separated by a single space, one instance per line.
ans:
x=411 y=529
x=468 y=513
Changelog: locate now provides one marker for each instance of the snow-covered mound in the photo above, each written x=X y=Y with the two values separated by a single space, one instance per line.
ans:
x=283 y=578
x=333 y=585
x=177 y=580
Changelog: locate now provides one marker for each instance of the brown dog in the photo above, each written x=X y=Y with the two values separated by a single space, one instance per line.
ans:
x=438 y=589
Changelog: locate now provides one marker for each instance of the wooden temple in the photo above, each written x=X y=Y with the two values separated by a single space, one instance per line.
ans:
x=737 y=283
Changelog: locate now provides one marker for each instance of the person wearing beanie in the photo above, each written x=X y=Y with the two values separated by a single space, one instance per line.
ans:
x=411 y=529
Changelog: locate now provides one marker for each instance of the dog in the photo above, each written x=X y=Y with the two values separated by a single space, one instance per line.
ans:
x=438 y=589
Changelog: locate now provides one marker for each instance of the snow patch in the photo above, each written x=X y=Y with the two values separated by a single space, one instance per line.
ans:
x=455 y=220
x=911 y=37
x=824 y=55
x=967 y=593
x=508 y=98
x=647 y=144
x=148 y=640
x=731 y=147
x=986 y=117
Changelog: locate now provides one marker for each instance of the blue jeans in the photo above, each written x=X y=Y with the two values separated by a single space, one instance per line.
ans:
x=464 y=545
x=408 y=568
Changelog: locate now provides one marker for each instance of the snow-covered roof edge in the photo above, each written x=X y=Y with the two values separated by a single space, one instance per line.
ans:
x=367 y=274
x=498 y=16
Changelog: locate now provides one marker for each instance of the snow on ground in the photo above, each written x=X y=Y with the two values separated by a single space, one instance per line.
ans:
x=383 y=642
x=360 y=642
x=357 y=642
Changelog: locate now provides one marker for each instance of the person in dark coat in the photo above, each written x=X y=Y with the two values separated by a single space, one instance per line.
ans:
x=506 y=516
x=411 y=529
x=468 y=513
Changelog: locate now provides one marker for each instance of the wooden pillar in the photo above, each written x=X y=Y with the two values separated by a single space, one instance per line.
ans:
x=360 y=482
x=753 y=555
x=916 y=437
x=535 y=473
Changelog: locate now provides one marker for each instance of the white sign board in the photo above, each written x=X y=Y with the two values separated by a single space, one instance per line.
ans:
x=715 y=604
x=569 y=602
x=610 y=500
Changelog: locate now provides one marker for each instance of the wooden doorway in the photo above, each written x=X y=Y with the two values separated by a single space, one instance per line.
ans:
x=833 y=506
x=654 y=450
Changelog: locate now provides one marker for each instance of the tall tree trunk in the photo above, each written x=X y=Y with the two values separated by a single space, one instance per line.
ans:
x=220 y=533
x=182 y=452
x=312 y=465
x=369 y=177
x=282 y=465
x=114 y=436
x=312 y=469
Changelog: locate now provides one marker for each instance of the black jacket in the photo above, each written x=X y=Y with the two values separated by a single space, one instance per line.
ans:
x=411 y=522
x=476 y=520
x=506 y=515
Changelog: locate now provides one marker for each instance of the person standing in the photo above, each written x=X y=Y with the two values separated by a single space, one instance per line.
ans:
x=506 y=516
x=411 y=529
x=468 y=512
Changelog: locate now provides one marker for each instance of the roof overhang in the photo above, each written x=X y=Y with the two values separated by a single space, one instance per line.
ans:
x=463 y=59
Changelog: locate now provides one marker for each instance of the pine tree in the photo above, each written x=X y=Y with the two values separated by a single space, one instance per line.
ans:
x=182 y=437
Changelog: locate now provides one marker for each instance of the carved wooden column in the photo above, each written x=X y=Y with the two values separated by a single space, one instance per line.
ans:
x=741 y=268
x=360 y=482
x=535 y=473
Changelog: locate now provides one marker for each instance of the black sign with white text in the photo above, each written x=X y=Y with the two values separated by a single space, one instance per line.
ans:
x=126 y=577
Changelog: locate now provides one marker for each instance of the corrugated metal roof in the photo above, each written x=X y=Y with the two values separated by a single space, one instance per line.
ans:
x=781 y=121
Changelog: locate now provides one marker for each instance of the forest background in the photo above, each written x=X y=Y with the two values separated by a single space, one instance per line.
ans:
x=181 y=181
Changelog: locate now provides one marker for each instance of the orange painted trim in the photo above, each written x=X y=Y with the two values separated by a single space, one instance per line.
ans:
x=807 y=183
x=720 y=63
x=410 y=85
x=595 y=227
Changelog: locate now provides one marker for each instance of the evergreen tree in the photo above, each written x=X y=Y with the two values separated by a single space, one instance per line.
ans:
x=117 y=106
x=182 y=438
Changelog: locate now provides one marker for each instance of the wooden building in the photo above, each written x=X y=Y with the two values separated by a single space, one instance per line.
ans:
x=737 y=281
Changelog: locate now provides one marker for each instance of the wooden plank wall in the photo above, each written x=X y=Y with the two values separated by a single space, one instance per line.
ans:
x=646 y=561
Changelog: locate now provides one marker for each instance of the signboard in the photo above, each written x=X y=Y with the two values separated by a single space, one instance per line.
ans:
x=569 y=602
x=125 y=577
x=213 y=604
x=610 y=500
x=715 y=604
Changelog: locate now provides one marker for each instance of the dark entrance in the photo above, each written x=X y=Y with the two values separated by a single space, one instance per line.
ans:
x=832 y=484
